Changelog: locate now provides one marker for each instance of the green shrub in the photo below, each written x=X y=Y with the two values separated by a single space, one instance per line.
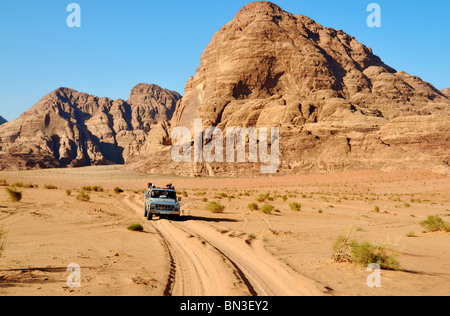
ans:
x=3 y=183
x=68 y=192
x=411 y=234
x=19 y=185
x=136 y=228
x=118 y=190
x=253 y=207
x=435 y=224
x=14 y=195
x=376 y=209
x=263 y=197
x=364 y=254
x=83 y=196
x=204 y=200
x=97 y=189
x=184 y=193
x=294 y=206
x=215 y=207
x=50 y=187
x=267 y=209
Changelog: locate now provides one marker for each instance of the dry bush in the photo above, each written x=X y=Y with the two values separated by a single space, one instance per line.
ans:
x=14 y=195
x=215 y=207
x=83 y=196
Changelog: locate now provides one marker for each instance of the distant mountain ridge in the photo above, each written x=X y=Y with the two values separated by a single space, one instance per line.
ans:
x=2 y=120
x=70 y=128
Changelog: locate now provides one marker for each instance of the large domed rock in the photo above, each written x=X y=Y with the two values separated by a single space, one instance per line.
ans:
x=338 y=106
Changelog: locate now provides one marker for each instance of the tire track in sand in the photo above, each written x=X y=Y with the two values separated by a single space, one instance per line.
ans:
x=196 y=268
x=208 y=262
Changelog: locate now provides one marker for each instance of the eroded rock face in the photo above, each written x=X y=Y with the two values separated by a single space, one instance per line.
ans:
x=446 y=92
x=338 y=106
x=69 y=128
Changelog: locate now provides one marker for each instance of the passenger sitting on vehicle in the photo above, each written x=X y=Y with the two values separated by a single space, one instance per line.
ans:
x=149 y=188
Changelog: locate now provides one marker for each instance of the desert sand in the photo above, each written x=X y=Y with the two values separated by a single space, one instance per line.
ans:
x=237 y=252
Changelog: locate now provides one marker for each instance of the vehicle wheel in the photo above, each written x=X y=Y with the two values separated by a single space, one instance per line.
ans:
x=149 y=216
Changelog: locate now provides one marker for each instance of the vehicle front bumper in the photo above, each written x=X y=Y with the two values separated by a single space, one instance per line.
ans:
x=165 y=212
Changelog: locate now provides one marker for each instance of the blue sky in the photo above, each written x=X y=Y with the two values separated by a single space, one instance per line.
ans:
x=123 y=43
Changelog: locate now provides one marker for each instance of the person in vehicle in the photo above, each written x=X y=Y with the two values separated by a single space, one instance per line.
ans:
x=149 y=189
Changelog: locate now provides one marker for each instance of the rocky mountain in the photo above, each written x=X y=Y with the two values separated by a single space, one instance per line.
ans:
x=69 y=128
x=2 y=121
x=446 y=92
x=338 y=106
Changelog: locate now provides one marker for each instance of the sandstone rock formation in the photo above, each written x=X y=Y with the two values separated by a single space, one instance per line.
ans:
x=338 y=106
x=446 y=92
x=69 y=128
x=2 y=121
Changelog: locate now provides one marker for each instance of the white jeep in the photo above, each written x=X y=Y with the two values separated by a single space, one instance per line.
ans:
x=162 y=202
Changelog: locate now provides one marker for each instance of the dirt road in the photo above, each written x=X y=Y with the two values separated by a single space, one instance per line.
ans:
x=208 y=261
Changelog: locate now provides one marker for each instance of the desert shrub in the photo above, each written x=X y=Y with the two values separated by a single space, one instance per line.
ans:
x=136 y=228
x=284 y=198
x=253 y=207
x=83 y=196
x=376 y=209
x=263 y=197
x=215 y=207
x=97 y=189
x=411 y=234
x=19 y=185
x=30 y=186
x=365 y=253
x=14 y=195
x=267 y=209
x=294 y=206
x=435 y=224
x=50 y=187
x=3 y=183
x=68 y=192
x=250 y=238
x=118 y=190
x=184 y=193
x=204 y=200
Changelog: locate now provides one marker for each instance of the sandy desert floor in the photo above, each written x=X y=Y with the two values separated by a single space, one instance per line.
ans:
x=237 y=252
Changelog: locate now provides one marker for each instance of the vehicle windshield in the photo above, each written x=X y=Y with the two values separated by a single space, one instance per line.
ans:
x=162 y=194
